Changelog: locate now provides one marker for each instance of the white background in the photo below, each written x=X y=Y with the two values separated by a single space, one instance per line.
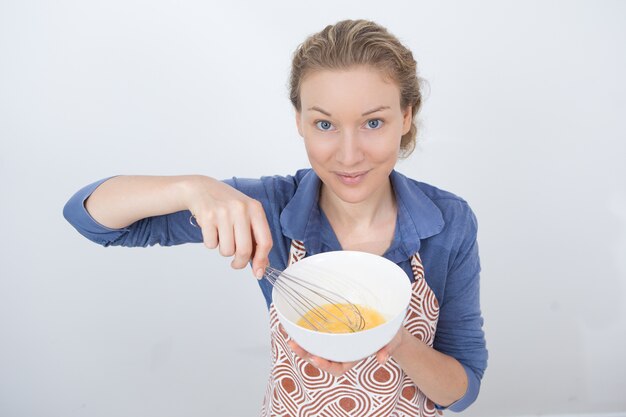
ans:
x=524 y=119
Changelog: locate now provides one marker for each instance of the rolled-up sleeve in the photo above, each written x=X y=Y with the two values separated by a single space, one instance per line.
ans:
x=459 y=330
x=165 y=230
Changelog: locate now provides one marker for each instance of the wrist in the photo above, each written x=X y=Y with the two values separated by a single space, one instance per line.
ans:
x=187 y=188
x=406 y=345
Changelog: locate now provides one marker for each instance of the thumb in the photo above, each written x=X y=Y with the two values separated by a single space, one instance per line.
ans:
x=382 y=356
x=260 y=261
x=258 y=268
x=261 y=245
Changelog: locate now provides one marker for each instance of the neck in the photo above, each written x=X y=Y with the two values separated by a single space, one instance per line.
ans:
x=376 y=209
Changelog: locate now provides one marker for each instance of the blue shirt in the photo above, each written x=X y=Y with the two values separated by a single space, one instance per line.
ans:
x=435 y=223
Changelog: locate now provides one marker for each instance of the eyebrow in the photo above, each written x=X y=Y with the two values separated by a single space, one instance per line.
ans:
x=364 y=114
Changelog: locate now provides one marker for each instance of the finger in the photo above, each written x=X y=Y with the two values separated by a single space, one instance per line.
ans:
x=336 y=369
x=262 y=240
x=226 y=236
x=298 y=350
x=209 y=236
x=333 y=368
x=322 y=363
x=382 y=356
x=319 y=363
x=342 y=368
x=243 y=243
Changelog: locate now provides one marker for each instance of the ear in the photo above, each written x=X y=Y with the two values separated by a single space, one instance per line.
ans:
x=407 y=119
x=299 y=123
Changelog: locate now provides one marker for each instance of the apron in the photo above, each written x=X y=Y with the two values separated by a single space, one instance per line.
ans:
x=298 y=389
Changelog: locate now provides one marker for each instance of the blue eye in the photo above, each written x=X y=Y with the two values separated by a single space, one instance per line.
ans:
x=324 y=125
x=374 y=123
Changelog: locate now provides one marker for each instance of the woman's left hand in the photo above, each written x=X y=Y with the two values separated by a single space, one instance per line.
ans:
x=339 y=368
x=386 y=351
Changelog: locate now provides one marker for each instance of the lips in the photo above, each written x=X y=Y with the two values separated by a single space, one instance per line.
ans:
x=351 y=178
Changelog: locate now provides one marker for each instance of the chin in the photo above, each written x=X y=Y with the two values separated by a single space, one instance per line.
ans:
x=350 y=195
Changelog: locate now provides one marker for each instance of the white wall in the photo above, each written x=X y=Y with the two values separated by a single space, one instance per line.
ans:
x=525 y=119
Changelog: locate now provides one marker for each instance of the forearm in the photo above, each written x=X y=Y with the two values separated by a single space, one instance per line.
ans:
x=121 y=201
x=440 y=377
x=158 y=210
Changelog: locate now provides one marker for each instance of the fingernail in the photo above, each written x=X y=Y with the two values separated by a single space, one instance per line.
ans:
x=313 y=360
x=259 y=273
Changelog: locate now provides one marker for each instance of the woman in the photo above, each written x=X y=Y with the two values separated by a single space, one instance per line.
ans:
x=355 y=91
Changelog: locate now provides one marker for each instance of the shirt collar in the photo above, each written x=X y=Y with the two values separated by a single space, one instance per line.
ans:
x=301 y=217
x=418 y=217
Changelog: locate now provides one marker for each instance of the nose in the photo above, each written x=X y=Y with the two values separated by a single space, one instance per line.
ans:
x=349 y=152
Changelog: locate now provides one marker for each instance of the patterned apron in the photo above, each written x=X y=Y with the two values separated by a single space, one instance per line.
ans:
x=297 y=388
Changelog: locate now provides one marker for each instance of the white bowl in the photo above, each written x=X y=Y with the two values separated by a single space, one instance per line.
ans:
x=364 y=279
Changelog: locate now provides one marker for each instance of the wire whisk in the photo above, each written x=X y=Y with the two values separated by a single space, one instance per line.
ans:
x=320 y=307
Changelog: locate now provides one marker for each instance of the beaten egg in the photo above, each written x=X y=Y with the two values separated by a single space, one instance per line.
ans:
x=333 y=318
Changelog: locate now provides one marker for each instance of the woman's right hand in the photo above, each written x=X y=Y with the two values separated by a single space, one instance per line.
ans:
x=229 y=220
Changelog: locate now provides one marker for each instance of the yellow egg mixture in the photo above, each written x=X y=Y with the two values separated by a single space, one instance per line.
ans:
x=337 y=315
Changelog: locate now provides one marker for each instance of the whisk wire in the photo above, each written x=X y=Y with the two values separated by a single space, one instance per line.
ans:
x=303 y=297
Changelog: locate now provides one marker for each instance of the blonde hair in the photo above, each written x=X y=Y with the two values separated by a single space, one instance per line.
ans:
x=351 y=43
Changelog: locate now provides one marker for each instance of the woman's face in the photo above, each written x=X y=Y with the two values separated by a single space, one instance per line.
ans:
x=352 y=124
